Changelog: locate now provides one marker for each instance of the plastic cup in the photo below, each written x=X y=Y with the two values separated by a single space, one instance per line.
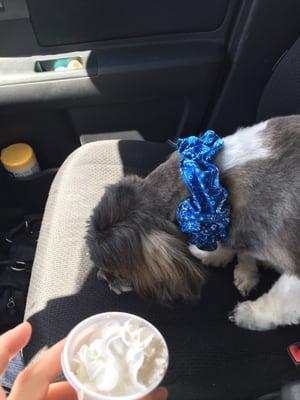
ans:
x=80 y=334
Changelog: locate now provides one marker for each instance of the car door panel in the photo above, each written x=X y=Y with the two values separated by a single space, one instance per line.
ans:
x=153 y=67
x=94 y=20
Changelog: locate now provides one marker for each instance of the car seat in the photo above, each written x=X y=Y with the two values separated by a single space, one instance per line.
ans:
x=210 y=358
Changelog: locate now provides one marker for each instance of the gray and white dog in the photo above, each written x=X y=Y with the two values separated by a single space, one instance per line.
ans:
x=133 y=237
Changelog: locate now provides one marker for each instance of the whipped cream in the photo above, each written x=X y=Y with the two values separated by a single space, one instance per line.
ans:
x=121 y=358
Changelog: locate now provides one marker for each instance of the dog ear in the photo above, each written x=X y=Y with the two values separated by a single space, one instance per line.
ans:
x=109 y=237
x=170 y=272
x=116 y=205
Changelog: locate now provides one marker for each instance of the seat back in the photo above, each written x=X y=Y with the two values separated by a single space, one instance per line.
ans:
x=281 y=95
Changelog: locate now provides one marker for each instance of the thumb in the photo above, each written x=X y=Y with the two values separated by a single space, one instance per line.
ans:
x=160 y=393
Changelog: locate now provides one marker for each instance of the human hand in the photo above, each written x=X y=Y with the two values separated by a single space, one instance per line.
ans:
x=34 y=382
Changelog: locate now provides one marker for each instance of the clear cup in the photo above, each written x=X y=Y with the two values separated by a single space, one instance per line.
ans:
x=80 y=334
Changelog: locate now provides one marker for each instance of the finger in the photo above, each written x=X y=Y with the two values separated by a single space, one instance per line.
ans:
x=2 y=394
x=49 y=364
x=12 y=341
x=33 y=382
x=61 y=391
x=160 y=393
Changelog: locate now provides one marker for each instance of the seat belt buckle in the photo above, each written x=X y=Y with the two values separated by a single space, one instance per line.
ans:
x=294 y=353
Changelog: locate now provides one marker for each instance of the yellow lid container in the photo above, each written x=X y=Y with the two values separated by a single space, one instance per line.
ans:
x=19 y=159
x=74 y=64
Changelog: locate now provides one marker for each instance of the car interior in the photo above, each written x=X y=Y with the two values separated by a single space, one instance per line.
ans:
x=95 y=81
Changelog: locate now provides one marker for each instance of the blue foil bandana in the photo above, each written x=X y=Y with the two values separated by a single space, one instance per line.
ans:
x=204 y=216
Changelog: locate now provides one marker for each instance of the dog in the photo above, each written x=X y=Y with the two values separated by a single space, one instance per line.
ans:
x=134 y=240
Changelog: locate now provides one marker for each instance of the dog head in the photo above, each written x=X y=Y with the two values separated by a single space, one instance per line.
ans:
x=132 y=242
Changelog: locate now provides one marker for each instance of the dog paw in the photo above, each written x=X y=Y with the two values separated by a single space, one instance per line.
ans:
x=245 y=279
x=220 y=257
x=251 y=315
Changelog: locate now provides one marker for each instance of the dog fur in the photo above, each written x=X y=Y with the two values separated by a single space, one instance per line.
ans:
x=133 y=236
